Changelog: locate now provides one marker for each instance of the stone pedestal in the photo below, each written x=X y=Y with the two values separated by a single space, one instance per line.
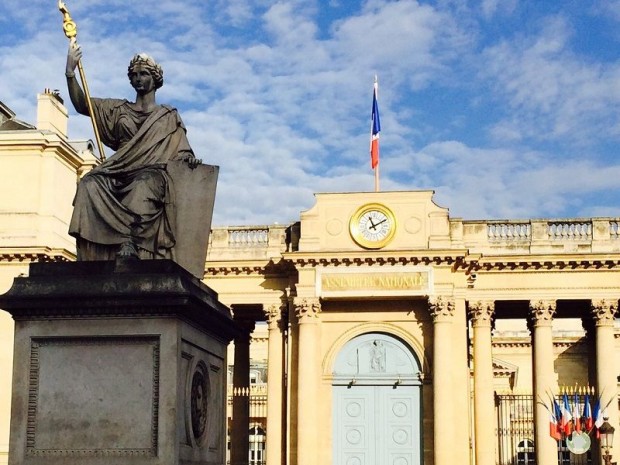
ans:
x=117 y=363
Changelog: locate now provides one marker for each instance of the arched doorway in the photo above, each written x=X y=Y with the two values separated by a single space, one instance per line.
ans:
x=376 y=403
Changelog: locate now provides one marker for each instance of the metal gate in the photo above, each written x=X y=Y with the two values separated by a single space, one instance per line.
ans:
x=515 y=433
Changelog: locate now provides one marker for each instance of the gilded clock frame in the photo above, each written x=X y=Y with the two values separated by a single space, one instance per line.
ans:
x=356 y=234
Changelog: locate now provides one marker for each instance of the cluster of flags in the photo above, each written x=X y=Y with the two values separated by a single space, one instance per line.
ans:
x=574 y=413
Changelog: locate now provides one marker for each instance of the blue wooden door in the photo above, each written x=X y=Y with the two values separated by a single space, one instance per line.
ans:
x=376 y=414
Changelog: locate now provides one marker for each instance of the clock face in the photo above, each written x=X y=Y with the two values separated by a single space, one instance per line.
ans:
x=373 y=226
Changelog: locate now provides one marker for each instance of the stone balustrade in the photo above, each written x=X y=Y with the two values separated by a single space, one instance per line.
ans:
x=253 y=390
x=251 y=242
x=595 y=235
x=258 y=399
x=590 y=235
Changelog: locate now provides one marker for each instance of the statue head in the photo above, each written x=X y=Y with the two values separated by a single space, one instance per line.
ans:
x=149 y=63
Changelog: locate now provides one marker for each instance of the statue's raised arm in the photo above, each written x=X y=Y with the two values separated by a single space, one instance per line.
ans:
x=76 y=94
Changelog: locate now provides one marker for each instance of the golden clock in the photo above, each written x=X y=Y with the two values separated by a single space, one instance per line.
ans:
x=373 y=226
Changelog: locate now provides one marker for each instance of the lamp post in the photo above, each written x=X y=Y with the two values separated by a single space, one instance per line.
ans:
x=607 y=439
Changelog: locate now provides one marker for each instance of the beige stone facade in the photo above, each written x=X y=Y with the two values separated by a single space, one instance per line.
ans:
x=459 y=323
x=39 y=168
x=468 y=297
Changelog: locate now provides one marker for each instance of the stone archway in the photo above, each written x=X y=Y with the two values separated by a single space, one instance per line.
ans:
x=377 y=403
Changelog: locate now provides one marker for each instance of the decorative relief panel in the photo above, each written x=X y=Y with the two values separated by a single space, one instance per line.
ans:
x=200 y=393
x=93 y=396
x=204 y=387
x=376 y=355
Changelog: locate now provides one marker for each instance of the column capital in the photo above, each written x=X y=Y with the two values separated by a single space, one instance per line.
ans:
x=604 y=311
x=541 y=312
x=441 y=308
x=307 y=309
x=481 y=312
x=247 y=327
x=274 y=314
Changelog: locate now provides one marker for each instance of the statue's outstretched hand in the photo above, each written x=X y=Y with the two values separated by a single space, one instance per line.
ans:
x=192 y=161
x=73 y=56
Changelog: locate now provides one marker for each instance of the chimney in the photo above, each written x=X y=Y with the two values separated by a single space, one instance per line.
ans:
x=52 y=115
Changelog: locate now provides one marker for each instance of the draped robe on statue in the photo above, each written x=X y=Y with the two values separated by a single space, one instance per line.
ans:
x=129 y=196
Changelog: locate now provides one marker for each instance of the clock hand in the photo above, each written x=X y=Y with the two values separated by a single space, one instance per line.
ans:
x=372 y=225
x=382 y=221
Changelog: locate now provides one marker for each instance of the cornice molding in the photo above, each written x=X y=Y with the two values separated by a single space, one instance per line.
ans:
x=36 y=254
x=249 y=268
x=524 y=343
x=559 y=262
x=381 y=258
x=42 y=142
x=458 y=259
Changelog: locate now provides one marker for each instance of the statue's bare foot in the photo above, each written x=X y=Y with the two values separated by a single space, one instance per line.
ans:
x=128 y=250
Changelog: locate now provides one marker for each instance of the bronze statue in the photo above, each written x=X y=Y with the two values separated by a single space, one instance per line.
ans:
x=125 y=206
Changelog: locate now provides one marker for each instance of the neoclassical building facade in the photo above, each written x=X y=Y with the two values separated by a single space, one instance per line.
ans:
x=380 y=330
x=418 y=344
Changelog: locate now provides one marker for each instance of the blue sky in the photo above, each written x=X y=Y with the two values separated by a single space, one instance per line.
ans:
x=506 y=108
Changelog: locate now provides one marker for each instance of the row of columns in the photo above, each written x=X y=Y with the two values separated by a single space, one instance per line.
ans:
x=442 y=310
x=541 y=314
x=308 y=372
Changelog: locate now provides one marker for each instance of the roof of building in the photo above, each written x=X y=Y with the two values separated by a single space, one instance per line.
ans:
x=8 y=122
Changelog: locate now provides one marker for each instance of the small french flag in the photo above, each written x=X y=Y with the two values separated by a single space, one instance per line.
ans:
x=375 y=128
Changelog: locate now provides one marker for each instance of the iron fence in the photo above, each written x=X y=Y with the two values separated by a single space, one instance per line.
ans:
x=515 y=433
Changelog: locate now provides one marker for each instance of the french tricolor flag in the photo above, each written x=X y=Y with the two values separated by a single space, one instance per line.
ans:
x=375 y=128
x=566 y=416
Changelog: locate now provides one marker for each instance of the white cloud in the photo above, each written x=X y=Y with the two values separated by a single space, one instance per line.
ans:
x=551 y=92
x=279 y=97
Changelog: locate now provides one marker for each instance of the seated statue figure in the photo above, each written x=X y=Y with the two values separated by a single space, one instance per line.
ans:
x=125 y=206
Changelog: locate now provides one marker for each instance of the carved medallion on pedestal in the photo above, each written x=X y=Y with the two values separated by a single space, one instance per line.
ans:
x=198 y=401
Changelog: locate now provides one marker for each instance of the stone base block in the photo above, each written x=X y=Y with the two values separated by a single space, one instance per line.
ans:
x=117 y=363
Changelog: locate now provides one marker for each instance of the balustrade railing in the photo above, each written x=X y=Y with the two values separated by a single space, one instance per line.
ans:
x=506 y=231
x=602 y=233
x=252 y=390
x=570 y=230
x=244 y=237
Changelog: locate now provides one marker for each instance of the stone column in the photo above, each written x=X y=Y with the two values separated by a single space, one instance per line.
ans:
x=484 y=407
x=442 y=311
x=239 y=434
x=603 y=313
x=307 y=311
x=275 y=361
x=541 y=319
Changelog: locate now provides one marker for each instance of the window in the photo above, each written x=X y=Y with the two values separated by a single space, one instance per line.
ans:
x=254 y=377
x=257 y=446
x=525 y=453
